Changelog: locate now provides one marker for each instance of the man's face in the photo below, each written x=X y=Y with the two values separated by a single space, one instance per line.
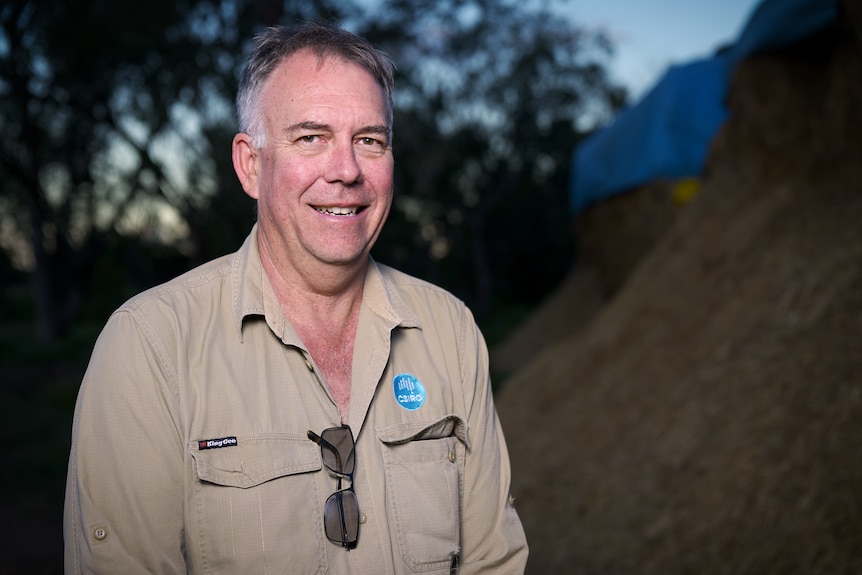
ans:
x=324 y=178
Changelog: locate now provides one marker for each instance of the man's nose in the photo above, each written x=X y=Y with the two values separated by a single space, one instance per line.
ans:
x=342 y=165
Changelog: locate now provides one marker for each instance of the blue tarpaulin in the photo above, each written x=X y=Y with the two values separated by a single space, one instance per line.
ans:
x=666 y=135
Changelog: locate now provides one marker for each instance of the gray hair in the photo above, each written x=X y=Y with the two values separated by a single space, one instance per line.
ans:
x=277 y=43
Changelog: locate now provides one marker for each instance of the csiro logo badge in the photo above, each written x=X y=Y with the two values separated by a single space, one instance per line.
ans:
x=409 y=391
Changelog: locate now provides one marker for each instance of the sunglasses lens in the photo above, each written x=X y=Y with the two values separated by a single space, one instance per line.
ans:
x=342 y=440
x=341 y=518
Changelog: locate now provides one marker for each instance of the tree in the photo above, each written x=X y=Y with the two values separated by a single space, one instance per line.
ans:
x=86 y=107
x=107 y=110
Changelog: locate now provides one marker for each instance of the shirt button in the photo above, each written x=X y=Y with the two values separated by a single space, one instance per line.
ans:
x=451 y=457
x=309 y=366
x=362 y=518
x=100 y=533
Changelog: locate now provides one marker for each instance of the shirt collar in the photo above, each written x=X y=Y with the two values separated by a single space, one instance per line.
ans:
x=383 y=298
x=252 y=294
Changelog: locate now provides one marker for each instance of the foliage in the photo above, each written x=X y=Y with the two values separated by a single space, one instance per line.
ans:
x=118 y=119
x=96 y=110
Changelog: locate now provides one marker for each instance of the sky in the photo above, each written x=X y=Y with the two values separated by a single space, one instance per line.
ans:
x=650 y=35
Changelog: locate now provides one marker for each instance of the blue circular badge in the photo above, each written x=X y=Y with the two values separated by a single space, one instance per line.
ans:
x=409 y=391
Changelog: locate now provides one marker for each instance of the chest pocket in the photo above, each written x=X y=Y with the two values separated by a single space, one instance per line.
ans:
x=253 y=497
x=423 y=467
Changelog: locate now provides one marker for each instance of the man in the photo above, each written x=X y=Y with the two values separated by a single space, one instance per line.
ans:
x=295 y=407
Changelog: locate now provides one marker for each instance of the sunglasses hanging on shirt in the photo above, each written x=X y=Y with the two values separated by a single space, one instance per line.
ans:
x=341 y=512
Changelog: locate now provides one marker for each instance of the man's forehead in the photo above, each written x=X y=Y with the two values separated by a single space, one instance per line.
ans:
x=303 y=80
x=308 y=63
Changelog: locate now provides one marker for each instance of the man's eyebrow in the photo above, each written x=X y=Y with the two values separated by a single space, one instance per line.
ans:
x=376 y=129
x=304 y=126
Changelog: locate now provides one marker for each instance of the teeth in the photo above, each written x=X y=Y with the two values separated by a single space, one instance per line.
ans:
x=336 y=211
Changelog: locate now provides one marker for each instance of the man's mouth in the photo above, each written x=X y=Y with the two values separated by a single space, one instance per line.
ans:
x=338 y=211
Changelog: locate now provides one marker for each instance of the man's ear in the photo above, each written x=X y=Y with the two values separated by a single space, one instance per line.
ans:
x=245 y=163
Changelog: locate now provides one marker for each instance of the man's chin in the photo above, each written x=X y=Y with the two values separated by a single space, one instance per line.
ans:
x=344 y=259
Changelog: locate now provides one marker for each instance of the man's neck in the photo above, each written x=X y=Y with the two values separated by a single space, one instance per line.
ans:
x=323 y=307
x=318 y=289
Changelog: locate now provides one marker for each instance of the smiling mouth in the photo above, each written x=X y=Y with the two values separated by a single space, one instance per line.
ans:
x=338 y=211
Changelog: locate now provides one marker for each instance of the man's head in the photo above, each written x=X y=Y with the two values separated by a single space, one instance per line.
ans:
x=276 y=44
x=315 y=149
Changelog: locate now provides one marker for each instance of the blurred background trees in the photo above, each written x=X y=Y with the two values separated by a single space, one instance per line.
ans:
x=117 y=120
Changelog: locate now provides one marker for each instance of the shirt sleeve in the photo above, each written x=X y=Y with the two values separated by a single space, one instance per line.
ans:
x=124 y=491
x=493 y=539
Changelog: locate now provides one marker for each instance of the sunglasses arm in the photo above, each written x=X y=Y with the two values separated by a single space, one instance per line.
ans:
x=323 y=443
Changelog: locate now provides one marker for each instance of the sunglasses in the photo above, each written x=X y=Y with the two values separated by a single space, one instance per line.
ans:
x=341 y=512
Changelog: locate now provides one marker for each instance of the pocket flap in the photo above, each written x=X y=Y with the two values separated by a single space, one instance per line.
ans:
x=256 y=459
x=448 y=426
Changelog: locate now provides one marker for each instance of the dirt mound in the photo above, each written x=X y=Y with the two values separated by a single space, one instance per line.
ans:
x=708 y=419
x=613 y=237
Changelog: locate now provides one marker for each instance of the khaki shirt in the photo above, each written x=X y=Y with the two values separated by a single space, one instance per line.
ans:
x=210 y=356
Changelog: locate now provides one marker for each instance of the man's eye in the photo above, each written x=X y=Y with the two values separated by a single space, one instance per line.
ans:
x=371 y=142
x=309 y=139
